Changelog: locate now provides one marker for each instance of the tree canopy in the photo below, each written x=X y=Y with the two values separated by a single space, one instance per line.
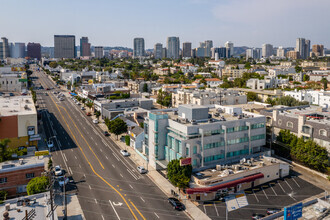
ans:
x=37 y=185
x=117 y=126
x=178 y=175
x=164 y=98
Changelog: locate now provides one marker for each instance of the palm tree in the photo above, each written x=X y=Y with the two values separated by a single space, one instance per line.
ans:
x=3 y=147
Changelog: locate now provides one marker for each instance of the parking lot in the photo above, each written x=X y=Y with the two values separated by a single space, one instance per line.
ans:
x=275 y=194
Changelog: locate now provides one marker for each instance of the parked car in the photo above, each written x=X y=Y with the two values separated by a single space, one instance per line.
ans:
x=61 y=99
x=141 y=169
x=177 y=205
x=89 y=114
x=95 y=121
x=124 y=153
x=11 y=94
x=271 y=211
x=58 y=170
x=63 y=180
x=82 y=108
x=50 y=144
x=106 y=133
x=257 y=216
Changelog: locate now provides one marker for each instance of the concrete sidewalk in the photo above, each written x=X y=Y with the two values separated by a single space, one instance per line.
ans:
x=192 y=210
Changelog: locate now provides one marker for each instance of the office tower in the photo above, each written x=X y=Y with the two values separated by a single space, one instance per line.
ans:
x=5 y=49
x=221 y=51
x=18 y=50
x=280 y=52
x=64 y=46
x=85 y=47
x=186 y=49
x=158 y=51
x=229 y=49
x=164 y=52
x=303 y=47
x=254 y=53
x=173 y=47
x=208 y=46
x=318 y=50
x=139 y=50
x=98 y=52
x=34 y=50
x=267 y=50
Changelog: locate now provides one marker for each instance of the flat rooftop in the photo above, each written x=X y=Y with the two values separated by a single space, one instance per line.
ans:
x=17 y=105
x=22 y=163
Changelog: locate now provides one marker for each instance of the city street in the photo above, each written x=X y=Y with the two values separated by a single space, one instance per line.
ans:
x=108 y=184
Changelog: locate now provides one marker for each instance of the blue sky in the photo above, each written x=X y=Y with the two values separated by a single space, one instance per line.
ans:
x=117 y=22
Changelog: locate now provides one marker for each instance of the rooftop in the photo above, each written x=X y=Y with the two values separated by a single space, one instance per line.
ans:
x=17 y=105
x=22 y=163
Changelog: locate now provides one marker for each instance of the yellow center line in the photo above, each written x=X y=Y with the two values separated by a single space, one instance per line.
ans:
x=137 y=210
x=93 y=167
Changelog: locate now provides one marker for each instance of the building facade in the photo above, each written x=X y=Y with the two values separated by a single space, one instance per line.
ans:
x=34 y=51
x=303 y=47
x=139 y=49
x=85 y=47
x=186 y=49
x=158 y=51
x=173 y=47
x=18 y=50
x=4 y=50
x=267 y=50
x=64 y=46
x=229 y=49
x=98 y=52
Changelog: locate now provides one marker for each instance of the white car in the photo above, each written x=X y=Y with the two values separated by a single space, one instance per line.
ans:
x=95 y=121
x=58 y=170
x=50 y=144
x=61 y=99
x=141 y=169
x=63 y=180
x=124 y=153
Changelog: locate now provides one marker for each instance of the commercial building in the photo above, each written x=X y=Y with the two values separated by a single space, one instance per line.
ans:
x=309 y=122
x=186 y=49
x=64 y=46
x=16 y=174
x=13 y=82
x=85 y=47
x=173 y=47
x=267 y=50
x=34 y=51
x=4 y=48
x=318 y=50
x=214 y=184
x=98 y=52
x=207 y=136
x=293 y=55
x=280 y=52
x=19 y=121
x=218 y=53
x=18 y=50
x=303 y=47
x=139 y=49
x=229 y=49
x=254 y=53
x=158 y=51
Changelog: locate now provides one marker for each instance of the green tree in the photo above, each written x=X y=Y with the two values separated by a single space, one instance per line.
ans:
x=141 y=124
x=290 y=101
x=50 y=163
x=251 y=96
x=178 y=175
x=270 y=101
x=127 y=140
x=3 y=147
x=97 y=114
x=145 y=87
x=305 y=78
x=89 y=104
x=37 y=185
x=117 y=127
x=3 y=196
x=53 y=64
x=324 y=81
x=164 y=98
x=298 y=68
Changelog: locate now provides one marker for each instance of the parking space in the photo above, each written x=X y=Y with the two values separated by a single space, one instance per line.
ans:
x=274 y=194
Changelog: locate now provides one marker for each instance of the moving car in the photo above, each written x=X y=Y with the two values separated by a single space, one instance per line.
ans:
x=271 y=211
x=177 y=205
x=95 y=121
x=63 y=180
x=141 y=169
x=257 y=216
x=58 y=170
x=106 y=133
x=124 y=153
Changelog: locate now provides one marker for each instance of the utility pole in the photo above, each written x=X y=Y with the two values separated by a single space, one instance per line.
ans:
x=65 y=208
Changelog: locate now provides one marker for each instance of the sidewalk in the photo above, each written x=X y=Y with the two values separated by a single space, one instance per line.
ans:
x=191 y=210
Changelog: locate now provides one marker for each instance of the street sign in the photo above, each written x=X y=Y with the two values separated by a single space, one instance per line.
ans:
x=41 y=153
x=294 y=212
x=185 y=161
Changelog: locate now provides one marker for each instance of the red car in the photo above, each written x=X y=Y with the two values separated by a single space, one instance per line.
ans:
x=88 y=114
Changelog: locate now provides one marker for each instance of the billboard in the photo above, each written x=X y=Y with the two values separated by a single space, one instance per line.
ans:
x=185 y=161
x=41 y=153
x=294 y=212
x=15 y=69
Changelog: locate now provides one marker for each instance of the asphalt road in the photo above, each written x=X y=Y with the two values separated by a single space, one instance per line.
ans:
x=108 y=184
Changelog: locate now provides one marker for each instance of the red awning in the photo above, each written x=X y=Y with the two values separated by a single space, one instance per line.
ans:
x=225 y=185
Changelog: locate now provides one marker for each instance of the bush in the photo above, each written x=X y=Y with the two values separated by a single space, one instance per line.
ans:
x=3 y=196
x=127 y=140
x=37 y=185
x=178 y=175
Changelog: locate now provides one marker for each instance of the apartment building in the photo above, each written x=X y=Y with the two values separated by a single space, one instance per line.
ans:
x=261 y=94
x=320 y=98
x=207 y=136
x=19 y=121
x=266 y=83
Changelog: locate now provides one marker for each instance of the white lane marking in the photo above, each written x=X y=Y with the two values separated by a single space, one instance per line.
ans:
x=204 y=209
x=255 y=195
x=116 y=156
x=113 y=166
x=79 y=166
x=121 y=175
x=70 y=170
x=95 y=143
x=89 y=187
x=71 y=150
x=102 y=217
x=100 y=149
x=92 y=138
x=85 y=176
x=114 y=210
x=65 y=157
x=156 y=214
x=76 y=158
x=95 y=201
x=132 y=174
x=130 y=186
x=142 y=199
x=264 y=192
x=216 y=209
x=55 y=133
x=288 y=184
x=107 y=157
x=295 y=182
x=281 y=187
x=273 y=190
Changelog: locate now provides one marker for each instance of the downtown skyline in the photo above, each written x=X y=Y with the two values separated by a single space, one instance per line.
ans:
x=116 y=23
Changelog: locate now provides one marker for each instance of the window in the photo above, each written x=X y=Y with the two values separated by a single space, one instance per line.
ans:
x=323 y=132
x=29 y=175
x=3 y=180
x=258 y=137
x=259 y=125
x=279 y=122
x=195 y=150
x=289 y=124
x=187 y=151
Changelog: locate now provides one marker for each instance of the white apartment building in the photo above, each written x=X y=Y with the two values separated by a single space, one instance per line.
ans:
x=266 y=83
x=320 y=98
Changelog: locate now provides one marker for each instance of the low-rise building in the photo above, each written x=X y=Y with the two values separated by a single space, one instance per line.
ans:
x=19 y=122
x=208 y=136
x=13 y=82
x=233 y=72
x=210 y=82
x=262 y=94
x=320 y=98
x=266 y=83
x=16 y=174
x=136 y=138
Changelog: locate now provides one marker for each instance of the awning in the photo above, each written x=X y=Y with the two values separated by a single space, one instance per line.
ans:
x=246 y=179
